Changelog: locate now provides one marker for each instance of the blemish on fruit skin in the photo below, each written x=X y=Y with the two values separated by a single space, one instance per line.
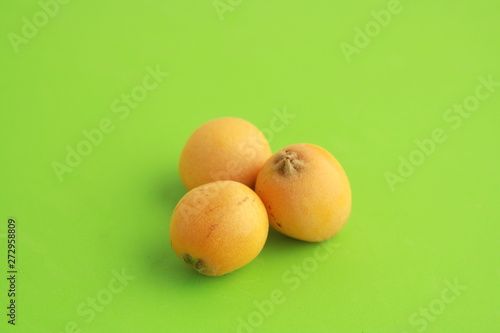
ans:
x=279 y=225
x=271 y=215
x=245 y=199
x=212 y=228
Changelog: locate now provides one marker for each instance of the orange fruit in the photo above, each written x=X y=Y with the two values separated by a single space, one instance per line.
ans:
x=219 y=227
x=306 y=192
x=223 y=149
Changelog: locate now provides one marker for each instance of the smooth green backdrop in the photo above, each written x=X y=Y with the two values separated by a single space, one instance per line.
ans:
x=420 y=253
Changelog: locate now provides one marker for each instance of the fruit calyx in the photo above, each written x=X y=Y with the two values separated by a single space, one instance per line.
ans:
x=197 y=264
x=287 y=163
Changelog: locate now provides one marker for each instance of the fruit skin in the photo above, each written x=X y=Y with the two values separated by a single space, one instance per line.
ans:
x=306 y=192
x=219 y=227
x=223 y=149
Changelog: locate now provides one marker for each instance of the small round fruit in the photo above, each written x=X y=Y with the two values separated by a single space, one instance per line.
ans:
x=306 y=192
x=223 y=149
x=219 y=227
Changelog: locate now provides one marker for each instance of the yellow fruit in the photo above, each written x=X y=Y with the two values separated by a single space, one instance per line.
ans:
x=219 y=227
x=223 y=149
x=306 y=192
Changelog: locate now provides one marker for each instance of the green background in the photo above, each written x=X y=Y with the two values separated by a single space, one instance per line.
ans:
x=403 y=245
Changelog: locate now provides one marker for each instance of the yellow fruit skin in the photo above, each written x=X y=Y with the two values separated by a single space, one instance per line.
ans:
x=223 y=149
x=219 y=227
x=311 y=203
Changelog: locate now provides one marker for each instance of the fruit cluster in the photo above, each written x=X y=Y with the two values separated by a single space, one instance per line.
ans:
x=237 y=188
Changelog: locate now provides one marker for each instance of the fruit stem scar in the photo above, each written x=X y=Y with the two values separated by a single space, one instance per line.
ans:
x=287 y=163
x=197 y=264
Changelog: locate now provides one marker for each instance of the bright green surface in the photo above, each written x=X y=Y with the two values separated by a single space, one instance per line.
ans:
x=398 y=253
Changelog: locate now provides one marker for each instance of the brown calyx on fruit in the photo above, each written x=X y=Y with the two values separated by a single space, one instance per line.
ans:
x=287 y=163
